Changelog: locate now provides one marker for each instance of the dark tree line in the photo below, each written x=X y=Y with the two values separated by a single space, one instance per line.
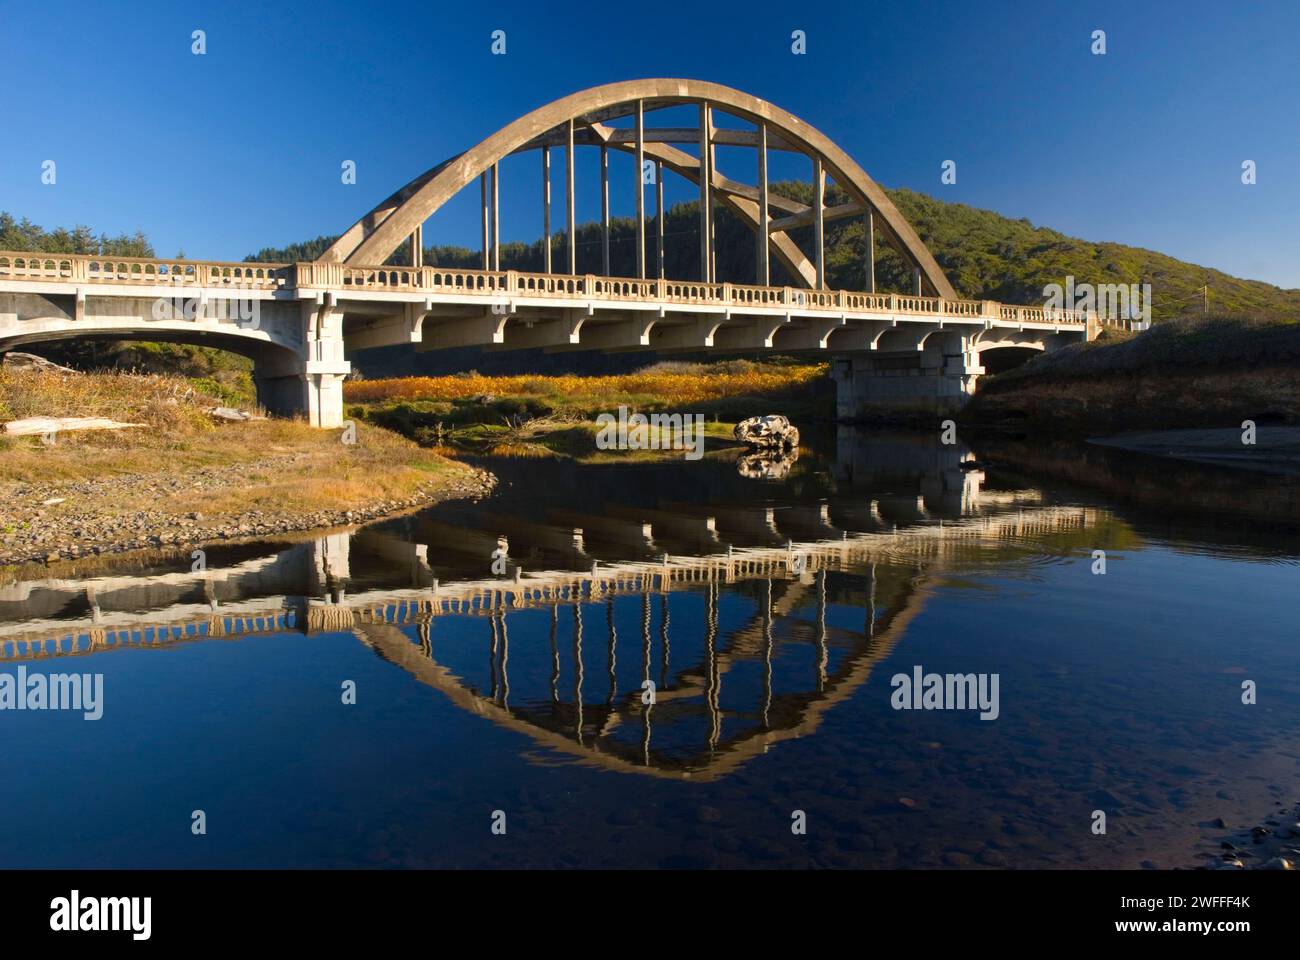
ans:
x=30 y=237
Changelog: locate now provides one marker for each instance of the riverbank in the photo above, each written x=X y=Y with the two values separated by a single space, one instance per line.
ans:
x=1149 y=481
x=1182 y=374
x=184 y=478
x=1268 y=448
x=559 y=414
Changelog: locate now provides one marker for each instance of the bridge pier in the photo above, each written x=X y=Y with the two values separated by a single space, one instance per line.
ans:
x=316 y=397
x=324 y=399
x=323 y=367
x=938 y=375
x=868 y=384
x=936 y=372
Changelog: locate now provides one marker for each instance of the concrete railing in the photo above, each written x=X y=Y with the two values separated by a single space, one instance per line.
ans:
x=83 y=269
x=74 y=268
x=569 y=286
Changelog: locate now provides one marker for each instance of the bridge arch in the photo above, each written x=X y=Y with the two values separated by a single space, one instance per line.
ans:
x=374 y=237
x=253 y=344
x=1001 y=357
x=267 y=331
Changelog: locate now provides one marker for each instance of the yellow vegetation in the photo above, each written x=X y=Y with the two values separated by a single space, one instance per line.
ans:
x=681 y=388
x=280 y=466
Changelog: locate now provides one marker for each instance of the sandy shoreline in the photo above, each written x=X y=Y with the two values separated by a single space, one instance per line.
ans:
x=1275 y=448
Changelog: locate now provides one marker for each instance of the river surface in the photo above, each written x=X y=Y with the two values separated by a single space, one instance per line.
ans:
x=677 y=665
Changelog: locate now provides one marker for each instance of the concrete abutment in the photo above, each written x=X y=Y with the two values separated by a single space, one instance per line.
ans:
x=296 y=346
x=936 y=374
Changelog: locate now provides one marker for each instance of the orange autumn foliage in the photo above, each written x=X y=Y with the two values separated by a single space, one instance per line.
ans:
x=681 y=388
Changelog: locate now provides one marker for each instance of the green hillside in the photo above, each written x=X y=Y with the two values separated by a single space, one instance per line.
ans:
x=987 y=255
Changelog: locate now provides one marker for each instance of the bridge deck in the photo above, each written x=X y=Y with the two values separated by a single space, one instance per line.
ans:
x=296 y=280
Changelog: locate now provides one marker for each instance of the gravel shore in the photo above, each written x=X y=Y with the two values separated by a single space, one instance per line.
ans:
x=1273 y=844
x=52 y=522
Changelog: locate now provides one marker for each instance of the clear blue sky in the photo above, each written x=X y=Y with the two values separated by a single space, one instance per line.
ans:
x=241 y=148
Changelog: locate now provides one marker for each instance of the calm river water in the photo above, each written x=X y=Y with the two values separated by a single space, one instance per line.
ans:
x=504 y=723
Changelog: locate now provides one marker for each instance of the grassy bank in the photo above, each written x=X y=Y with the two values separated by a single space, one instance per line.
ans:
x=1193 y=372
x=559 y=412
x=184 y=474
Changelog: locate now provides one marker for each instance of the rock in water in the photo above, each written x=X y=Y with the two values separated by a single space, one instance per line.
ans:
x=773 y=432
x=766 y=464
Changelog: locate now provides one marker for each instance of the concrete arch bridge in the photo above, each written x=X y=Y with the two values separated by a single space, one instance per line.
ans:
x=299 y=321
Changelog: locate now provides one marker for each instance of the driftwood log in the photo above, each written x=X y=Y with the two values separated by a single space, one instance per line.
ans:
x=33 y=426
x=231 y=413
x=29 y=361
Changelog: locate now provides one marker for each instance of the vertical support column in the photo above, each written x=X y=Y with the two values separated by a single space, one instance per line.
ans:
x=916 y=280
x=640 y=190
x=504 y=664
x=487 y=220
x=659 y=218
x=613 y=652
x=823 y=647
x=417 y=247
x=572 y=219
x=819 y=220
x=763 y=270
x=555 y=654
x=706 y=193
x=577 y=669
x=713 y=234
x=714 y=688
x=323 y=369
x=871 y=605
x=546 y=209
x=496 y=221
x=869 y=248
x=604 y=210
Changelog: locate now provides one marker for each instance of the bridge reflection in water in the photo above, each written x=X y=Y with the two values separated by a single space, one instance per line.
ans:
x=751 y=621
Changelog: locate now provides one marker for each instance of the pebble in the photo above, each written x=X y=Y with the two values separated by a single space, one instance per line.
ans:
x=1259 y=848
